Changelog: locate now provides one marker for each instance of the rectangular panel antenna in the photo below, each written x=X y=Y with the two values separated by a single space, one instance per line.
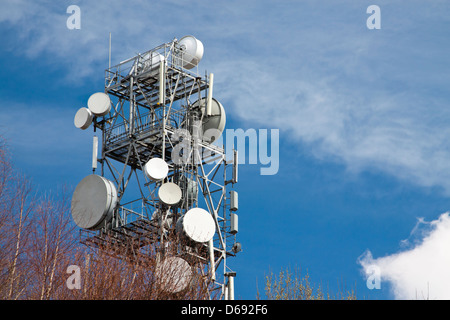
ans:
x=94 y=153
x=234 y=223
x=234 y=206
x=235 y=166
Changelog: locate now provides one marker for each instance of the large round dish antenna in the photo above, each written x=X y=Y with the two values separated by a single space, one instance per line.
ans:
x=156 y=169
x=197 y=224
x=191 y=51
x=83 y=118
x=215 y=123
x=169 y=194
x=174 y=274
x=93 y=202
x=99 y=103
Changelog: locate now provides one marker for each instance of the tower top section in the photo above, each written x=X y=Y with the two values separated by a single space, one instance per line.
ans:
x=182 y=55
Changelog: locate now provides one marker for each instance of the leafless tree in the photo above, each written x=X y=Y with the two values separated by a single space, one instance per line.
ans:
x=118 y=270
x=39 y=242
x=292 y=285
x=15 y=225
x=52 y=242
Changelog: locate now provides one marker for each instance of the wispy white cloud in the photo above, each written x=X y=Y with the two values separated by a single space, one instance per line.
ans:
x=368 y=99
x=401 y=133
x=421 y=271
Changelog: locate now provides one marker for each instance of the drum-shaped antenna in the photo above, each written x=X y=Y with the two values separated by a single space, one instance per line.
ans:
x=169 y=193
x=148 y=62
x=156 y=169
x=190 y=188
x=83 y=118
x=93 y=202
x=191 y=51
x=99 y=103
x=197 y=224
x=173 y=274
x=215 y=121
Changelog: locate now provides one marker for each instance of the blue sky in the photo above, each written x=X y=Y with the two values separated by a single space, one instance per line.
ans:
x=364 y=176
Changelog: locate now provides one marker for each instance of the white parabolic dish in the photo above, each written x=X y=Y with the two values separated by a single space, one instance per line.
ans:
x=215 y=121
x=197 y=224
x=99 y=103
x=156 y=169
x=174 y=274
x=169 y=193
x=93 y=202
x=191 y=51
x=83 y=118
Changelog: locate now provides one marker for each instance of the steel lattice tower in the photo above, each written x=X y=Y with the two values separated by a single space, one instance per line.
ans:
x=161 y=108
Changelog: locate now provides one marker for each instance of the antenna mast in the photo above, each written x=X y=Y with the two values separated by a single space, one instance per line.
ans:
x=163 y=170
x=109 y=52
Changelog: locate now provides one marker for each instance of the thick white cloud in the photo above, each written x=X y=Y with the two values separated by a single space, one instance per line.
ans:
x=422 y=271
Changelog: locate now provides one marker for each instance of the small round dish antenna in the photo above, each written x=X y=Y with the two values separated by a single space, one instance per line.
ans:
x=191 y=51
x=197 y=224
x=169 y=194
x=99 y=103
x=174 y=274
x=83 y=118
x=216 y=121
x=93 y=202
x=156 y=169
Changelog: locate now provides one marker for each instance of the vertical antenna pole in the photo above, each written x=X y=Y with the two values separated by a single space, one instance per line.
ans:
x=210 y=94
x=109 y=61
x=162 y=102
x=231 y=287
x=162 y=70
x=211 y=260
x=132 y=105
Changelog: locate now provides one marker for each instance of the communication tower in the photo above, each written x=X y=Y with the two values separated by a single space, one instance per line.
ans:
x=161 y=169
